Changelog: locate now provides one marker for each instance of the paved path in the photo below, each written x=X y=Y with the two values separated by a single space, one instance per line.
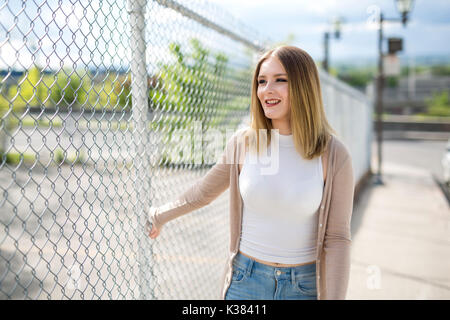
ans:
x=401 y=237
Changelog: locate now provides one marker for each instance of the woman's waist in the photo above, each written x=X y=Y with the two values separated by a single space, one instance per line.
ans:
x=277 y=251
x=276 y=264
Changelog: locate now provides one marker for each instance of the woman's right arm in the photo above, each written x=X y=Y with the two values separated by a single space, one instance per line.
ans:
x=200 y=194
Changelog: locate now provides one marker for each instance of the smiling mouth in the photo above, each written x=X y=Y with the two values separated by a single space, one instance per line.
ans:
x=271 y=103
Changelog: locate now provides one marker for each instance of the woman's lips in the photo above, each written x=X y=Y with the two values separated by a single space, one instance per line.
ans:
x=272 y=104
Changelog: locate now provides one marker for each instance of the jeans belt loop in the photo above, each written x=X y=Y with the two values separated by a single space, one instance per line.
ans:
x=249 y=268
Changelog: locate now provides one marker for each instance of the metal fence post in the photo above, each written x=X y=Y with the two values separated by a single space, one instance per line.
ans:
x=141 y=162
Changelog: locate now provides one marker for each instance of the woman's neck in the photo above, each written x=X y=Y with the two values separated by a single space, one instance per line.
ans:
x=284 y=128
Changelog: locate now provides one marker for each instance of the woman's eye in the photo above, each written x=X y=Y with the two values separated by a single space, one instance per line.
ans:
x=262 y=81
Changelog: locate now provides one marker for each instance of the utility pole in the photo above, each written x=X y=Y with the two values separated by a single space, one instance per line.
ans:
x=404 y=7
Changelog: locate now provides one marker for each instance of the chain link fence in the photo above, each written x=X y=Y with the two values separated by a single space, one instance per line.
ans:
x=101 y=108
x=93 y=96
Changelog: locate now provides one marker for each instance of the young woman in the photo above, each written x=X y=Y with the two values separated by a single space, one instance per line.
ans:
x=290 y=228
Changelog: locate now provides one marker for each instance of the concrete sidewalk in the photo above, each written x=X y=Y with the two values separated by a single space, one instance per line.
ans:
x=401 y=238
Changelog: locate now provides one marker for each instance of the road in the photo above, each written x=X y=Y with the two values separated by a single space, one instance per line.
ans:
x=425 y=154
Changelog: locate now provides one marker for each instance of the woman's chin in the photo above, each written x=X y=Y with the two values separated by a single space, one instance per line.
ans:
x=272 y=116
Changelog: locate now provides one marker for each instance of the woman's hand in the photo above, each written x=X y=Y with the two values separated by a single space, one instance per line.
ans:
x=152 y=231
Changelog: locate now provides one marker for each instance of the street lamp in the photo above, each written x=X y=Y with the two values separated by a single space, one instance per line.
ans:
x=404 y=7
x=337 y=35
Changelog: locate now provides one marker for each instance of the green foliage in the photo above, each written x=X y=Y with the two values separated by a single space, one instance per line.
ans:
x=69 y=88
x=392 y=81
x=34 y=89
x=333 y=72
x=4 y=103
x=195 y=87
x=440 y=70
x=186 y=88
x=357 y=77
x=15 y=158
x=406 y=70
x=61 y=156
x=111 y=92
x=435 y=70
x=439 y=104
x=123 y=90
x=29 y=91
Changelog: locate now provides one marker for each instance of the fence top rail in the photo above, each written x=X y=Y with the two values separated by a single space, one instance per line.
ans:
x=342 y=86
x=185 y=11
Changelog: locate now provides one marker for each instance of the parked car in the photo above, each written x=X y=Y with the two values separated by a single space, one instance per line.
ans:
x=446 y=163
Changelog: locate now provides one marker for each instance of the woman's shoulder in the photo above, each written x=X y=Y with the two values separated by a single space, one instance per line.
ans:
x=340 y=146
x=242 y=130
x=234 y=139
x=238 y=135
x=342 y=152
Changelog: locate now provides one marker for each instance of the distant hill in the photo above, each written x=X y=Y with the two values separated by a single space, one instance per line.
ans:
x=405 y=60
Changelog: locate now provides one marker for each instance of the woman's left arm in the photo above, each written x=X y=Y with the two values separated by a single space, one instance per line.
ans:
x=338 y=233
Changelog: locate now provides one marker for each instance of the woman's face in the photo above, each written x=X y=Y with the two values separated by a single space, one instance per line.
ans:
x=273 y=85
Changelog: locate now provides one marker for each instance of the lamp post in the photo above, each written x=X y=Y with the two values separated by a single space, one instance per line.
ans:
x=404 y=7
x=326 y=39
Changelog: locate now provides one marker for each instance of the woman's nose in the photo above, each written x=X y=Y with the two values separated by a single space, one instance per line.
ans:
x=268 y=87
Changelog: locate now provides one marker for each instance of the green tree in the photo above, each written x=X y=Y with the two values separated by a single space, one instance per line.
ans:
x=123 y=90
x=111 y=92
x=195 y=87
x=69 y=88
x=4 y=103
x=439 y=104
x=4 y=120
x=392 y=81
x=440 y=70
x=356 y=77
x=30 y=91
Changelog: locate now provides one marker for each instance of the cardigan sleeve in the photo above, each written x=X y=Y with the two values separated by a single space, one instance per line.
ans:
x=337 y=239
x=201 y=193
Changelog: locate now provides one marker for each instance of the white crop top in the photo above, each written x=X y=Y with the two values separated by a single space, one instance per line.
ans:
x=280 y=210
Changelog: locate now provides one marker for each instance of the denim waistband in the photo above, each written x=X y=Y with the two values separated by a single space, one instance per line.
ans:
x=250 y=265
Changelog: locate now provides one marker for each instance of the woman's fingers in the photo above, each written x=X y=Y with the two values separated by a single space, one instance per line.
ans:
x=154 y=233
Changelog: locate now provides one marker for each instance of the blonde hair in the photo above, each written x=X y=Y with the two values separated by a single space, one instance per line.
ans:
x=310 y=128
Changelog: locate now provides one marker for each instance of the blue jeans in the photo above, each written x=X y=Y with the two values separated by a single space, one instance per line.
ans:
x=252 y=280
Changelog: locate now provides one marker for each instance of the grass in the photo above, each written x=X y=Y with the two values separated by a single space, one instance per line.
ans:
x=59 y=156
x=29 y=121
x=14 y=158
x=62 y=157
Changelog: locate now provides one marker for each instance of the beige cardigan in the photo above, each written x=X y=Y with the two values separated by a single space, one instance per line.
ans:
x=334 y=239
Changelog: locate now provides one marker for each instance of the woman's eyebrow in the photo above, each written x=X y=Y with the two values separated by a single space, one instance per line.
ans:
x=275 y=75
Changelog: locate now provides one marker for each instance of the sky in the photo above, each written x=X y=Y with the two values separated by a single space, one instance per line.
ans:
x=86 y=31
x=427 y=32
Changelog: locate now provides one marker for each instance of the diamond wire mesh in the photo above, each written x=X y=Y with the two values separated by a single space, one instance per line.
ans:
x=86 y=148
